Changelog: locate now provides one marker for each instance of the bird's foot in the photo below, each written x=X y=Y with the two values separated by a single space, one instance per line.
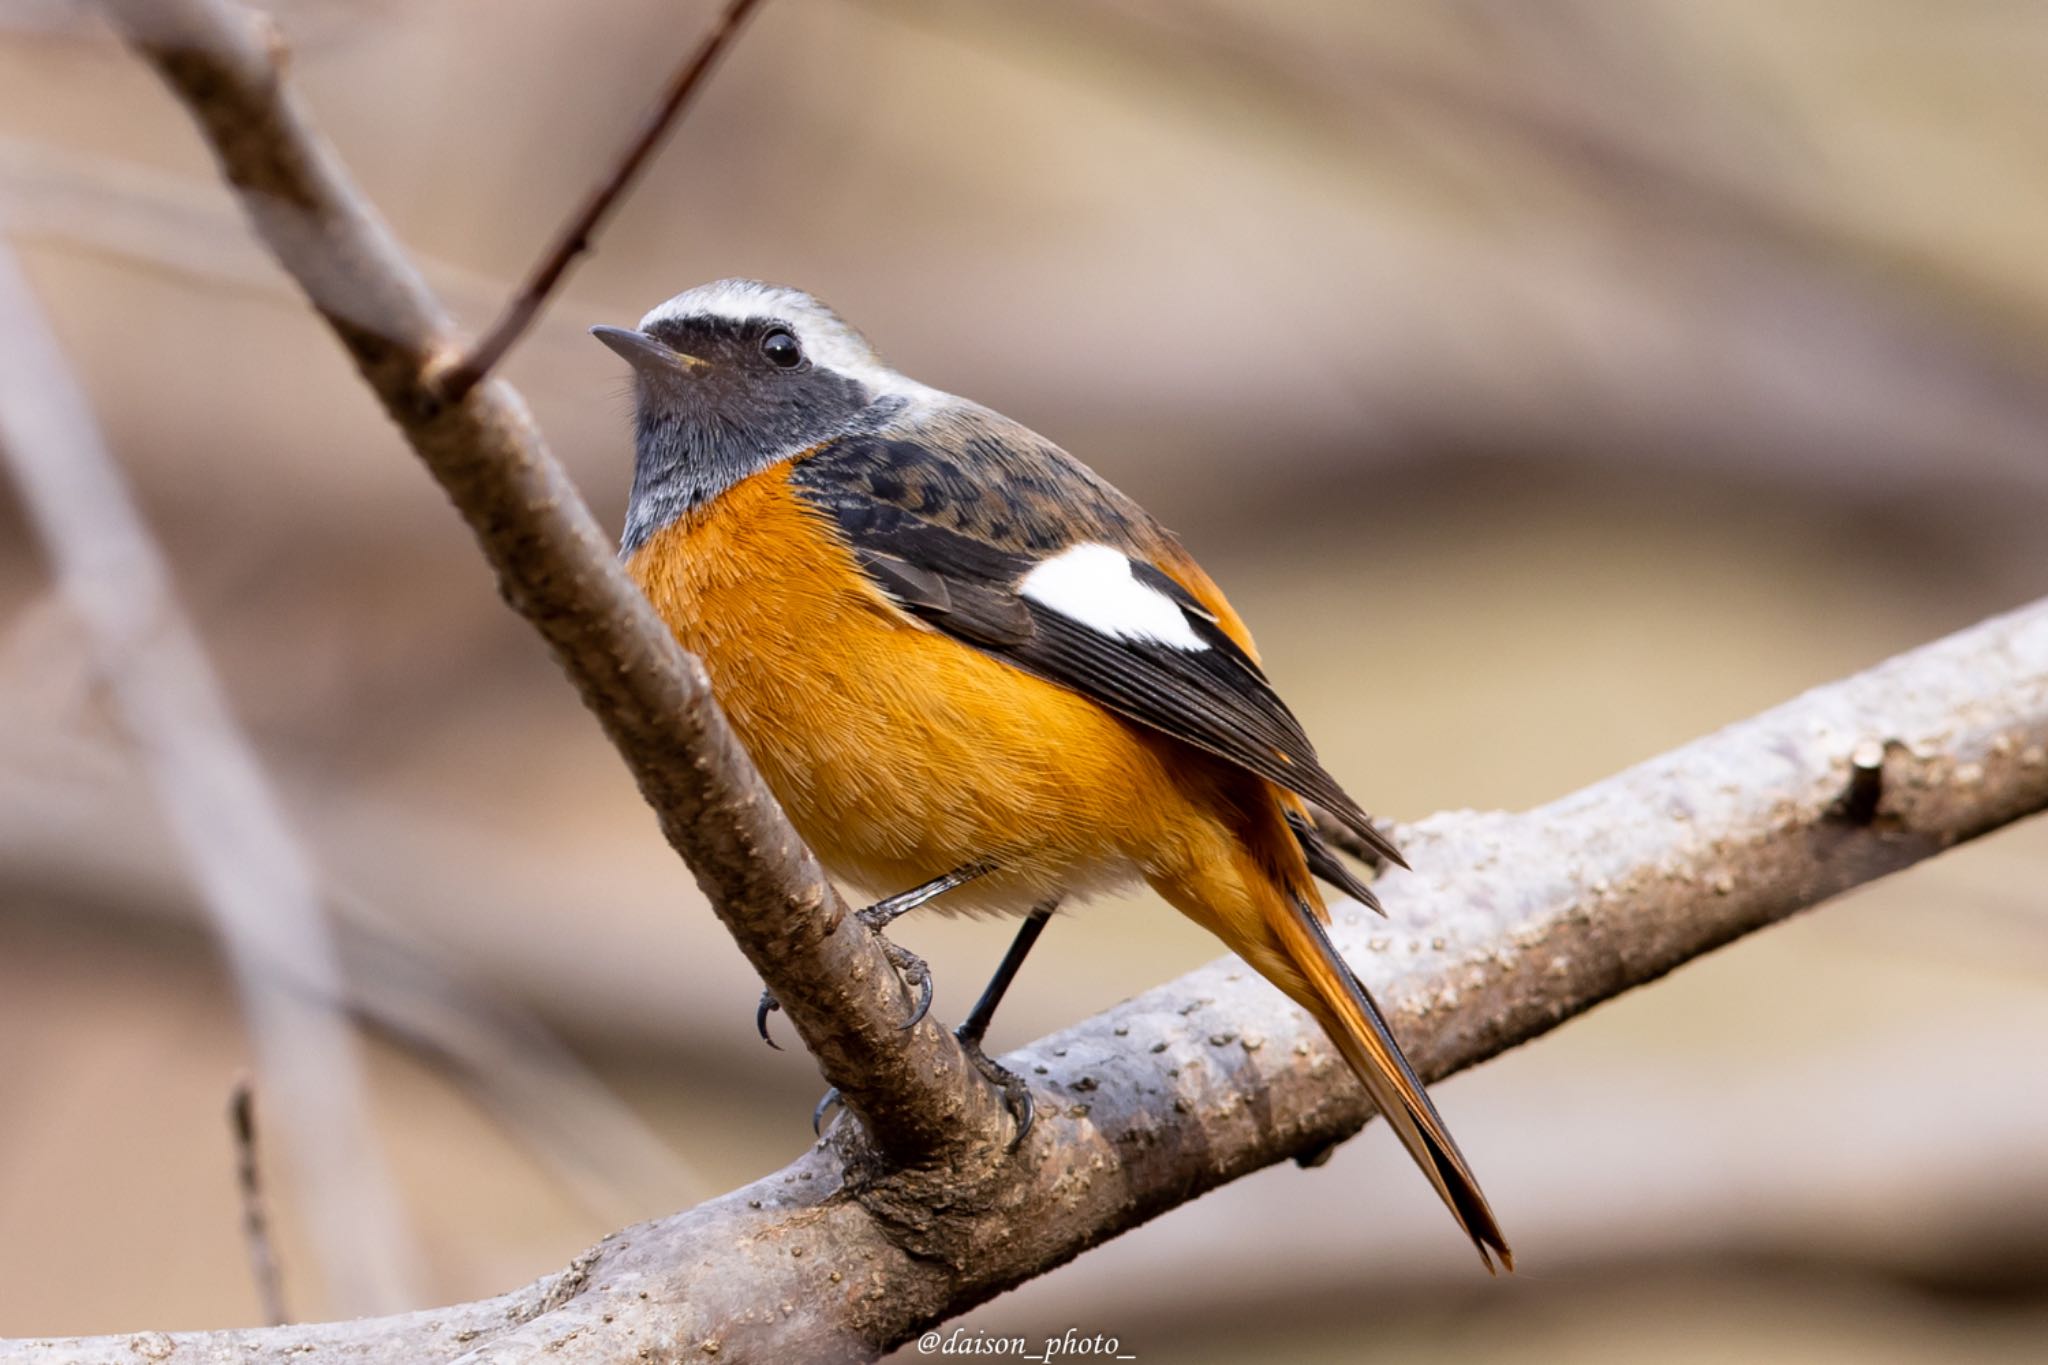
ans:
x=1016 y=1092
x=915 y=971
x=826 y=1104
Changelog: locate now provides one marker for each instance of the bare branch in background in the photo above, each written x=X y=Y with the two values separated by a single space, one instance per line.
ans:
x=512 y=1066
x=918 y=1097
x=180 y=227
x=255 y=1206
x=1509 y=925
x=423 y=999
x=573 y=238
x=254 y=877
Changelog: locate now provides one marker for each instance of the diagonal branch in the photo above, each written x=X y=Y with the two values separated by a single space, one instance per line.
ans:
x=915 y=1092
x=1509 y=925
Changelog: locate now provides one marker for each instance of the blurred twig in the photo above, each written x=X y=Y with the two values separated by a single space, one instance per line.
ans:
x=255 y=1207
x=573 y=238
x=514 y=1068
x=177 y=226
x=425 y=1001
x=1340 y=837
x=253 y=876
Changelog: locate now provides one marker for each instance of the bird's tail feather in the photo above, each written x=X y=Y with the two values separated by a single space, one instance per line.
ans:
x=1348 y=1014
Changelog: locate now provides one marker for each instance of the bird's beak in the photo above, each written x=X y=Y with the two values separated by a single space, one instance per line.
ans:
x=644 y=353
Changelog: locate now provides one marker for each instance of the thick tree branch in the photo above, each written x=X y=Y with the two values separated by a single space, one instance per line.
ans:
x=915 y=1092
x=1509 y=925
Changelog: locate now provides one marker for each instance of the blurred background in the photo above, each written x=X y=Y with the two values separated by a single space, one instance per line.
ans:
x=1549 y=384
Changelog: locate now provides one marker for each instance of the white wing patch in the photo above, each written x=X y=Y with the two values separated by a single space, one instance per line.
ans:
x=1093 y=584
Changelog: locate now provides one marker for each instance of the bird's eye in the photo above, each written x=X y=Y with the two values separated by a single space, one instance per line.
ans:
x=781 y=349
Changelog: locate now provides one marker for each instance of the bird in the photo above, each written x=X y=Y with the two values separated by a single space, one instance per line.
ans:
x=972 y=672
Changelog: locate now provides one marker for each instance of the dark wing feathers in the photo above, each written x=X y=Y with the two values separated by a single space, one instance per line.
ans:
x=1324 y=862
x=950 y=539
x=916 y=588
x=989 y=616
x=959 y=583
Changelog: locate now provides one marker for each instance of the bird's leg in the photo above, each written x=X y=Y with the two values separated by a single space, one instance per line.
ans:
x=883 y=913
x=984 y=1011
x=880 y=916
x=1016 y=1093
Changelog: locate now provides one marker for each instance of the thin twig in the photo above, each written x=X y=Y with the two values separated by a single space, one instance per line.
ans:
x=255 y=1207
x=251 y=872
x=574 y=236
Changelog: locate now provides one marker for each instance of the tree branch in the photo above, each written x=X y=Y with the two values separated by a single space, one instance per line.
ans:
x=1509 y=925
x=423 y=999
x=914 y=1091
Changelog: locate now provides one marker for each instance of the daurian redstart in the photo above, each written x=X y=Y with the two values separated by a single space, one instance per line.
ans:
x=968 y=666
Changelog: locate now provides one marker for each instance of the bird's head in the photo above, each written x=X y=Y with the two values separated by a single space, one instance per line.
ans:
x=735 y=376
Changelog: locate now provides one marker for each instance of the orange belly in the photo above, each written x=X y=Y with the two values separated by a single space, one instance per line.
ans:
x=899 y=753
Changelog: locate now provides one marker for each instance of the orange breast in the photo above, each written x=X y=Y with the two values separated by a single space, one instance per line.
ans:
x=898 y=752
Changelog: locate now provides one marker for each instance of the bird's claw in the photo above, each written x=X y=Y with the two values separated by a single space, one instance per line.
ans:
x=917 y=974
x=915 y=971
x=769 y=1004
x=826 y=1105
x=1016 y=1091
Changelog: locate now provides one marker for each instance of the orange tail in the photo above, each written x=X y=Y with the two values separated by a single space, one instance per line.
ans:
x=1347 y=1013
x=1247 y=882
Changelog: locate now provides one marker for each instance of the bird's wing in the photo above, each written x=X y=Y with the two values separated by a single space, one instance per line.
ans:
x=990 y=534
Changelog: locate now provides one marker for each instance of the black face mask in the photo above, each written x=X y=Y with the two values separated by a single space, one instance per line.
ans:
x=752 y=400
